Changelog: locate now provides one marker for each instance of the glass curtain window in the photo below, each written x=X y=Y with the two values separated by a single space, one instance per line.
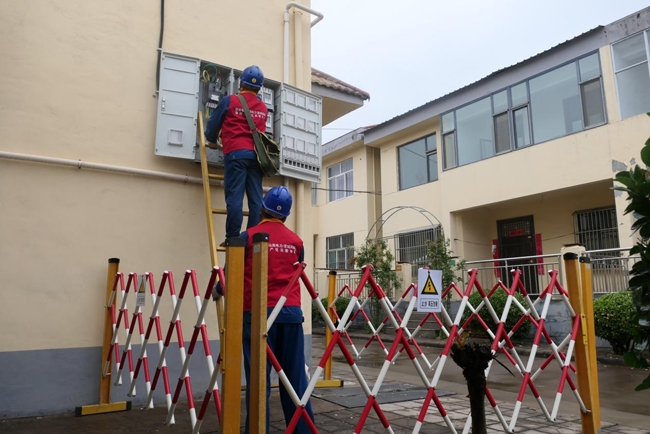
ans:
x=502 y=132
x=339 y=251
x=522 y=130
x=555 y=103
x=632 y=75
x=474 y=132
x=449 y=150
x=412 y=164
x=418 y=162
x=593 y=105
x=340 y=180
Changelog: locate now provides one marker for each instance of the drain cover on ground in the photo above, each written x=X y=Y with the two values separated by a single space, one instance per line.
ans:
x=353 y=397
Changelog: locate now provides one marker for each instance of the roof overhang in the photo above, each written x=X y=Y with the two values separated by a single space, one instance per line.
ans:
x=564 y=52
x=336 y=103
x=339 y=97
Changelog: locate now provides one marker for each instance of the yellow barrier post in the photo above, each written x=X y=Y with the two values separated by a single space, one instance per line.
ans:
x=105 y=405
x=581 y=298
x=257 y=403
x=588 y=310
x=331 y=294
x=232 y=341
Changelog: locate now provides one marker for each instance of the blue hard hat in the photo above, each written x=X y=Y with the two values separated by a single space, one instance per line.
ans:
x=278 y=201
x=253 y=76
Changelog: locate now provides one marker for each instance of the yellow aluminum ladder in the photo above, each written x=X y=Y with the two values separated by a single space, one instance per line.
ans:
x=209 y=211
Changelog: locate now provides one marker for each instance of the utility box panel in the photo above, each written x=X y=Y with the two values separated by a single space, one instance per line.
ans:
x=299 y=129
x=177 y=106
x=189 y=86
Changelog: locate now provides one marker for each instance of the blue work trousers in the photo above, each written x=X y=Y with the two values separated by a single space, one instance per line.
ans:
x=288 y=345
x=242 y=175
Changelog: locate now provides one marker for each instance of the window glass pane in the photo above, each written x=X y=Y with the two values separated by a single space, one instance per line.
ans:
x=448 y=122
x=431 y=143
x=331 y=259
x=346 y=165
x=348 y=183
x=412 y=165
x=334 y=170
x=522 y=133
x=555 y=104
x=502 y=132
x=340 y=259
x=592 y=102
x=519 y=95
x=634 y=90
x=474 y=130
x=500 y=101
x=589 y=67
x=629 y=52
x=332 y=189
x=347 y=240
x=449 y=152
x=334 y=242
x=433 y=167
x=340 y=187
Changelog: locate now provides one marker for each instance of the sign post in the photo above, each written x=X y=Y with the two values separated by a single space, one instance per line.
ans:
x=429 y=290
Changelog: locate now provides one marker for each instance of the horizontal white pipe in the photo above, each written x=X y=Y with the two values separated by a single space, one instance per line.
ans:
x=108 y=168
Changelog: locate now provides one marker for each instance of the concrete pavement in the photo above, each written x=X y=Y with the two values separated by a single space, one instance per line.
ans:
x=622 y=409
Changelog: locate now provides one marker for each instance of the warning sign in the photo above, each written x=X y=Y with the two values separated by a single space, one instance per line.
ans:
x=429 y=290
x=429 y=287
x=141 y=295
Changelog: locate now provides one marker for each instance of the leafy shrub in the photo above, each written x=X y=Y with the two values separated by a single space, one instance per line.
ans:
x=616 y=320
x=636 y=183
x=341 y=304
x=376 y=253
x=498 y=301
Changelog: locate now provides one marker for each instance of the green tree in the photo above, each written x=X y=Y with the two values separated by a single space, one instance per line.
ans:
x=636 y=183
x=375 y=252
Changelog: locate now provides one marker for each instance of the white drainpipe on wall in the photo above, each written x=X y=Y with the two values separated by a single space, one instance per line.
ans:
x=298 y=82
x=319 y=16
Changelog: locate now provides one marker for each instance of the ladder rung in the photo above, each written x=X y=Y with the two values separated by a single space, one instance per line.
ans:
x=221 y=249
x=213 y=176
x=211 y=146
x=223 y=211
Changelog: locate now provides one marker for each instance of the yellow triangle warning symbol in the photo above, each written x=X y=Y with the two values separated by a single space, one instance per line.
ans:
x=429 y=287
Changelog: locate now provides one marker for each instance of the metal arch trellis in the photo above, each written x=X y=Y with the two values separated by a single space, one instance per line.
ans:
x=392 y=211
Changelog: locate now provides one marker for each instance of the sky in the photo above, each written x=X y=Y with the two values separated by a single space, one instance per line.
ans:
x=408 y=52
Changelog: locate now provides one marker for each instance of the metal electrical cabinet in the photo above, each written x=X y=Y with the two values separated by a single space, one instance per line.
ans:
x=189 y=86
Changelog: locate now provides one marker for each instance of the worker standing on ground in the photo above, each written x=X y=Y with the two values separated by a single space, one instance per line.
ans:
x=242 y=170
x=285 y=336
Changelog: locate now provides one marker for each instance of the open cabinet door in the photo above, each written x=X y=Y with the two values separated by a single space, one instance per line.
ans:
x=178 y=105
x=300 y=123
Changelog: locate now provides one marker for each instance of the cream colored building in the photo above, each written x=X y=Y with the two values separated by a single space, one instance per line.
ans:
x=521 y=165
x=77 y=90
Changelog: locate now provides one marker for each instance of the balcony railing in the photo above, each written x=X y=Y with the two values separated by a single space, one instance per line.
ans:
x=610 y=270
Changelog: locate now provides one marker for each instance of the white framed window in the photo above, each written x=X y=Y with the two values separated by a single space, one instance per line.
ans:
x=340 y=181
x=418 y=162
x=630 y=58
x=561 y=101
x=339 y=251
x=596 y=229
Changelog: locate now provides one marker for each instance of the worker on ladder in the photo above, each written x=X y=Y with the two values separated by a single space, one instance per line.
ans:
x=285 y=337
x=242 y=170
